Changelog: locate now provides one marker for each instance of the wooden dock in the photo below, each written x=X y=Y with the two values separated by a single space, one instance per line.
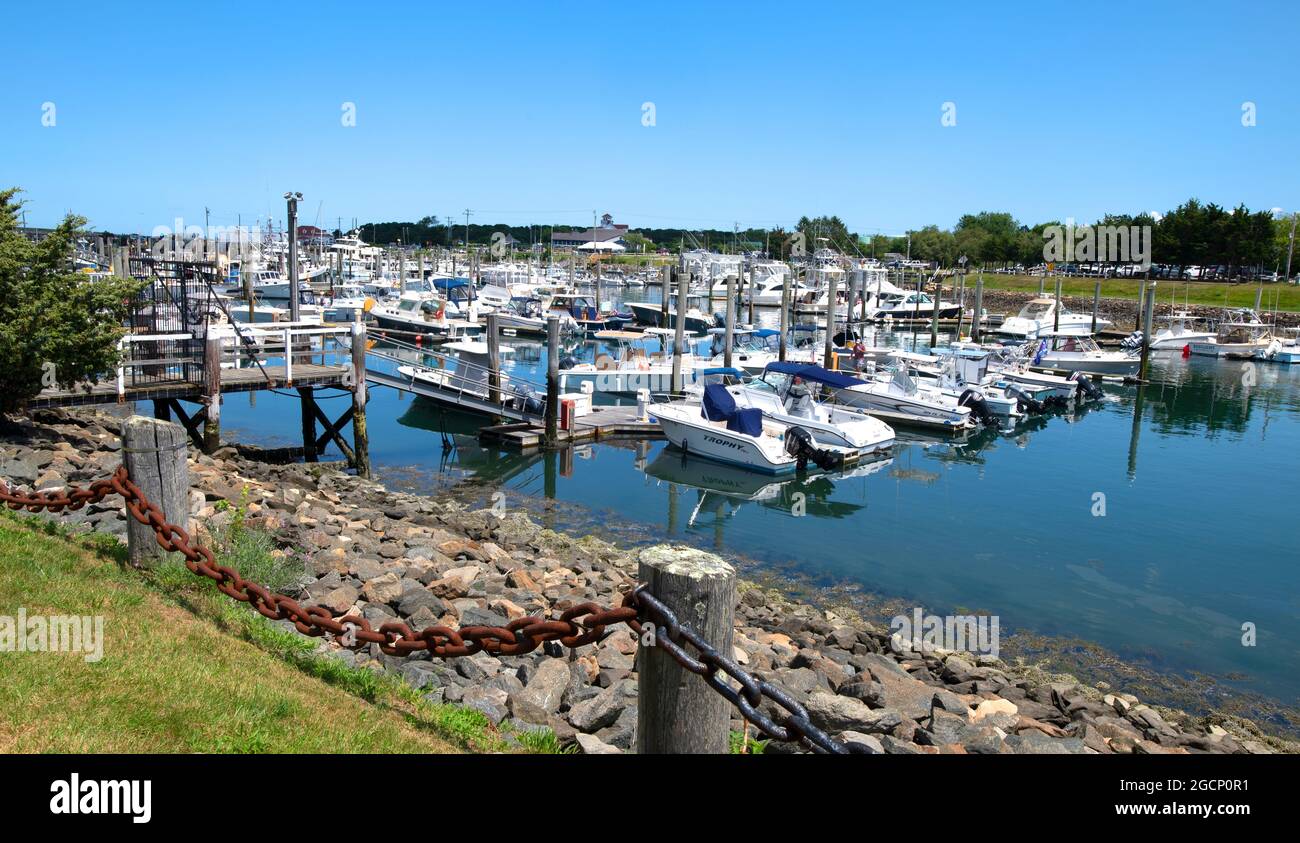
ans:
x=601 y=423
x=248 y=379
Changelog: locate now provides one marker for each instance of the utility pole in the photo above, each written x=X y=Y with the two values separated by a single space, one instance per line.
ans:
x=1290 y=248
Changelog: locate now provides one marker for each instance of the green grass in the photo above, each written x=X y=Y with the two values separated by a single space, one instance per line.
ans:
x=185 y=669
x=1212 y=293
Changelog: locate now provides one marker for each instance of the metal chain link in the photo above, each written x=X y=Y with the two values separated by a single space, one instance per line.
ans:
x=578 y=625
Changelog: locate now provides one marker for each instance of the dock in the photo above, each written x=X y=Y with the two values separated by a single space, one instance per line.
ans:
x=602 y=423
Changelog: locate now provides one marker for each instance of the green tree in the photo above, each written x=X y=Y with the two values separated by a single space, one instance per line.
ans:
x=55 y=325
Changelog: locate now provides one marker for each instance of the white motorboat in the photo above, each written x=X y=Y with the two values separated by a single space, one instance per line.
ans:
x=651 y=313
x=753 y=348
x=896 y=397
x=1039 y=316
x=420 y=313
x=1243 y=338
x=716 y=428
x=828 y=423
x=631 y=368
x=345 y=303
x=1178 y=333
x=1283 y=350
x=1080 y=353
x=468 y=374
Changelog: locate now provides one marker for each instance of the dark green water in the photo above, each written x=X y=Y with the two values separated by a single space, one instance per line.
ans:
x=1199 y=472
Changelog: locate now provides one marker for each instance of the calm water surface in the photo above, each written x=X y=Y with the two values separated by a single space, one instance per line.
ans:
x=1199 y=474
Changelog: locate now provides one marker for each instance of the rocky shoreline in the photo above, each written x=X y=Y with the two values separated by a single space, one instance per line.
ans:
x=389 y=555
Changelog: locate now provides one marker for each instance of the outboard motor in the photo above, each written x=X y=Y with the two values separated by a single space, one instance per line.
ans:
x=800 y=445
x=1025 y=402
x=719 y=320
x=1086 y=387
x=527 y=399
x=1132 y=341
x=568 y=361
x=979 y=408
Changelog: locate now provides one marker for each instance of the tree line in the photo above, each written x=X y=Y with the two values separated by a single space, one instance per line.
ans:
x=1193 y=234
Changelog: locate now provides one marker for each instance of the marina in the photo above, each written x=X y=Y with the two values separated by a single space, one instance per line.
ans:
x=716 y=433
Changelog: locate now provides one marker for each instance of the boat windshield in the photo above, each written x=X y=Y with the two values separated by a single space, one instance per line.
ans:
x=1035 y=310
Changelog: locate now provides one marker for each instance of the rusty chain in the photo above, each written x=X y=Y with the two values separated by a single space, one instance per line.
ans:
x=578 y=625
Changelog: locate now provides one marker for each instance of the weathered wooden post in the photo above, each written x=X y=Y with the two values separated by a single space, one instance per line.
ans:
x=785 y=313
x=494 y=359
x=1142 y=292
x=750 y=288
x=961 y=303
x=154 y=453
x=728 y=329
x=1096 y=304
x=1056 y=311
x=934 y=315
x=401 y=270
x=1042 y=282
x=977 y=318
x=667 y=287
x=212 y=393
x=832 y=293
x=552 y=379
x=677 y=711
x=360 y=436
x=307 y=402
x=679 y=331
x=1148 y=315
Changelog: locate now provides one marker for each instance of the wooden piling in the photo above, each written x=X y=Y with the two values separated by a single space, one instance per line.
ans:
x=1096 y=304
x=211 y=394
x=494 y=359
x=977 y=318
x=679 y=335
x=677 y=712
x=360 y=435
x=729 y=329
x=831 y=294
x=934 y=314
x=1056 y=311
x=785 y=313
x=1148 y=315
x=307 y=404
x=552 y=380
x=154 y=453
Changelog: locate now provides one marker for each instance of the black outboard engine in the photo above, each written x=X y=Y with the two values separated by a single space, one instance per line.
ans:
x=800 y=445
x=719 y=320
x=979 y=408
x=568 y=361
x=1086 y=387
x=1025 y=402
x=527 y=399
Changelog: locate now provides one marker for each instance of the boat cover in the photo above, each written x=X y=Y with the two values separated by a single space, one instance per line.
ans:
x=816 y=374
x=718 y=405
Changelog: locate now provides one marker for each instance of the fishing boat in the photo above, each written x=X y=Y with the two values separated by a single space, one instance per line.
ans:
x=420 y=313
x=716 y=428
x=1178 y=333
x=1042 y=315
x=630 y=368
x=468 y=372
x=585 y=313
x=828 y=423
x=753 y=348
x=1080 y=353
x=345 y=303
x=1242 y=338
x=651 y=313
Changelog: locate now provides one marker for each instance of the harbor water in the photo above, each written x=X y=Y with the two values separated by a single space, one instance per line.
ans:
x=1153 y=528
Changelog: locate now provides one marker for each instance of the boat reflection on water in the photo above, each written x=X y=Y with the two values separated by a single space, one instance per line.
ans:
x=722 y=489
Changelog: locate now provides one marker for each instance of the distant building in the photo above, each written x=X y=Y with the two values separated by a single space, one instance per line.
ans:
x=607 y=232
x=310 y=235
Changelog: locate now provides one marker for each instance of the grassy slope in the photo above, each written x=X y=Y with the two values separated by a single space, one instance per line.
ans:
x=187 y=670
x=1286 y=296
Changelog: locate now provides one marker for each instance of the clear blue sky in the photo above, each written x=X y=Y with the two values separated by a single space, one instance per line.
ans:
x=533 y=112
